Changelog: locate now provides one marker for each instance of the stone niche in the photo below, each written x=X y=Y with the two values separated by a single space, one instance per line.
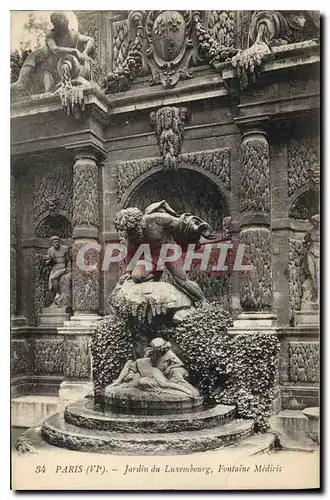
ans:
x=187 y=190
x=52 y=215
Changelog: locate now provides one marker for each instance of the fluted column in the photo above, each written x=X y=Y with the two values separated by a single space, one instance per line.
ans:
x=85 y=284
x=255 y=221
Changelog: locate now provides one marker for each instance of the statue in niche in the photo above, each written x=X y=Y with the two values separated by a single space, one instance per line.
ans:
x=160 y=224
x=312 y=263
x=65 y=55
x=158 y=370
x=59 y=281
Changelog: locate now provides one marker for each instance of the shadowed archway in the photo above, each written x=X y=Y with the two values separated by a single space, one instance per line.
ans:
x=186 y=191
x=189 y=191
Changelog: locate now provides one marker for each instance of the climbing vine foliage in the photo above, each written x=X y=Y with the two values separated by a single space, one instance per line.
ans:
x=230 y=369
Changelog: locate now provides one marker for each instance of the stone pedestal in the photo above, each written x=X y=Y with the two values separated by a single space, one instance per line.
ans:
x=252 y=321
x=53 y=316
x=313 y=415
x=306 y=318
x=77 y=357
x=74 y=391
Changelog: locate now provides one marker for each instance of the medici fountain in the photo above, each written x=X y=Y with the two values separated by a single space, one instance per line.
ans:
x=216 y=112
x=161 y=359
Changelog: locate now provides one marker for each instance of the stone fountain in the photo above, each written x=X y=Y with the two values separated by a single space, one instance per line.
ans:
x=151 y=406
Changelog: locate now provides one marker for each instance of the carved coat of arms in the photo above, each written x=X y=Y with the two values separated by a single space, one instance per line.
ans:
x=169 y=45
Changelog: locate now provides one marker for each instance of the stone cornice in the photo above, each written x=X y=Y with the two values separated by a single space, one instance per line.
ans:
x=282 y=57
x=206 y=84
x=253 y=123
x=95 y=99
x=86 y=149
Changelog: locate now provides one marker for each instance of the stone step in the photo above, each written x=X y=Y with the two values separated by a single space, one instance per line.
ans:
x=32 y=442
x=59 y=433
x=82 y=414
x=292 y=427
x=32 y=410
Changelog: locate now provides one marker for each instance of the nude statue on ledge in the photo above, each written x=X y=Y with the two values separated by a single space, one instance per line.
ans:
x=64 y=50
x=312 y=261
x=58 y=259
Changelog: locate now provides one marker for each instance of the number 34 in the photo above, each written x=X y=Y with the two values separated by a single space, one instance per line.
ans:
x=40 y=469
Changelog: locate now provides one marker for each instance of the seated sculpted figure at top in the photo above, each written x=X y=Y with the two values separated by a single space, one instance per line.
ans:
x=62 y=45
x=158 y=225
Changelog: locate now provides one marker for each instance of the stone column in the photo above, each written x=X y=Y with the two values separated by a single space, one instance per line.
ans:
x=85 y=284
x=255 y=221
x=16 y=320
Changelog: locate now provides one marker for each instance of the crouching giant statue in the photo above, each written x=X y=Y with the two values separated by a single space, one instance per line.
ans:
x=157 y=227
x=64 y=58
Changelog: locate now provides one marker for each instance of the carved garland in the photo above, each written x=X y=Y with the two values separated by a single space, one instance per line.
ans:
x=93 y=32
x=168 y=123
x=303 y=163
x=216 y=161
x=120 y=43
x=256 y=284
x=77 y=358
x=21 y=356
x=121 y=79
x=209 y=48
x=42 y=296
x=85 y=193
x=85 y=284
x=52 y=193
x=296 y=275
x=48 y=356
x=222 y=26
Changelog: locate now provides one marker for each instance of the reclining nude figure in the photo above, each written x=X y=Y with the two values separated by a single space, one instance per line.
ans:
x=158 y=225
